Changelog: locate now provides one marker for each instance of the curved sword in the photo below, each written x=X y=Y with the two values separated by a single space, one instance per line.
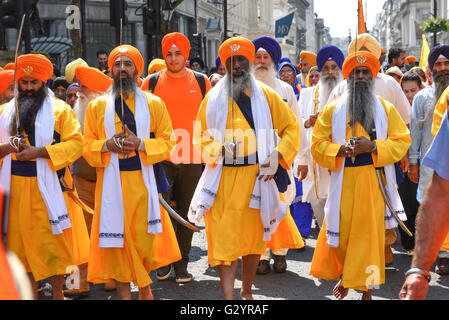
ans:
x=176 y=216
x=388 y=203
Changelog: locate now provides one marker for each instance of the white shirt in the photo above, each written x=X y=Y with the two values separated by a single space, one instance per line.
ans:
x=306 y=109
x=385 y=87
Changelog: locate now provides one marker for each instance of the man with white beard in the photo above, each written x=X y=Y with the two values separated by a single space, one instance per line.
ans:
x=93 y=83
x=266 y=61
x=315 y=179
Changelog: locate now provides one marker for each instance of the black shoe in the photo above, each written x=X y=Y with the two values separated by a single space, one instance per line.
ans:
x=442 y=267
x=183 y=276
x=264 y=267
x=164 y=272
x=280 y=264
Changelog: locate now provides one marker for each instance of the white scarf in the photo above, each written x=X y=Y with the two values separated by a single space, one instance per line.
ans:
x=47 y=179
x=112 y=208
x=265 y=195
x=332 y=207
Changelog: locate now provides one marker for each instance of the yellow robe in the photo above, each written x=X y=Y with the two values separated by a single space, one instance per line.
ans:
x=360 y=257
x=439 y=111
x=141 y=252
x=29 y=233
x=232 y=228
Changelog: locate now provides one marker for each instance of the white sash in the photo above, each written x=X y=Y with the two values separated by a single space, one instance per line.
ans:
x=112 y=208
x=47 y=179
x=332 y=207
x=265 y=195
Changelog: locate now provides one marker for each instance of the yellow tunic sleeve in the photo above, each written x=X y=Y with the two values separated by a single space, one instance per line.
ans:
x=440 y=109
x=286 y=124
x=70 y=147
x=203 y=141
x=158 y=148
x=95 y=134
x=394 y=148
x=323 y=150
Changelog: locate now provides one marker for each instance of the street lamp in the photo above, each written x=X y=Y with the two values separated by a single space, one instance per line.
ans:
x=167 y=10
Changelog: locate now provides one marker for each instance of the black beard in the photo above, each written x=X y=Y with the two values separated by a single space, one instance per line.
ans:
x=360 y=103
x=441 y=80
x=128 y=83
x=29 y=105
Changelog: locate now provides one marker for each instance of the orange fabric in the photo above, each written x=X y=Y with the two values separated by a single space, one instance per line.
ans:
x=6 y=78
x=35 y=66
x=8 y=290
x=9 y=66
x=128 y=51
x=310 y=57
x=445 y=245
x=93 y=78
x=183 y=108
x=409 y=59
x=362 y=25
x=176 y=39
x=237 y=46
x=361 y=59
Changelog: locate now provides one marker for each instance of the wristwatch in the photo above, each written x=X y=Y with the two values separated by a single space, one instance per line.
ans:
x=422 y=272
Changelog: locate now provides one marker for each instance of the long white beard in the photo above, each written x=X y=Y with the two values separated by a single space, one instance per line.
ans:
x=326 y=87
x=266 y=76
x=81 y=105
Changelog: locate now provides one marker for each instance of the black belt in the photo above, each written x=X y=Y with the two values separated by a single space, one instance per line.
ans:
x=363 y=159
x=23 y=168
x=130 y=164
x=241 y=161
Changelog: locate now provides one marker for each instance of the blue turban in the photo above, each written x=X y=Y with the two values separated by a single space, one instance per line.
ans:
x=435 y=53
x=286 y=62
x=327 y=53
x=217 y=62
x=271 y=46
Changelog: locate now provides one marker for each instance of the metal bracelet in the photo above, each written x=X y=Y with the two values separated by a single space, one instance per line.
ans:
x=422 y=272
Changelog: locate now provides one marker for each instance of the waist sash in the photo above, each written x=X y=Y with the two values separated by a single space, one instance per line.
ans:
x=363 y=159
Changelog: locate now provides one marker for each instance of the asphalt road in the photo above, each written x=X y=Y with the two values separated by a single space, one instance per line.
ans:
x=295 y=284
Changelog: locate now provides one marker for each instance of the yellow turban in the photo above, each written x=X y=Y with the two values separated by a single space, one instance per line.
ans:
x=156 y=65
x=367 y=41
x=237 y=46
x=310 y=57
x=35 y=66
x=70 y=69
x=361 y=59
x=130 y=52
x=93 y=78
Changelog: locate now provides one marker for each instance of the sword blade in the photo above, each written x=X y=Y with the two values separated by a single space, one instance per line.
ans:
x=387 y=202
x=176 y=216
x=16 y=89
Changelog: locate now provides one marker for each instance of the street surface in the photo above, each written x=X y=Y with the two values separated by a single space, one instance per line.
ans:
x=295 y=284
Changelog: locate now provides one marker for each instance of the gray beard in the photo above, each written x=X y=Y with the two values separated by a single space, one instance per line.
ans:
x=267 y=76
x=360 y=104
x=441 y=80
x=238 y=84
x=81 y=105
x=326 y=85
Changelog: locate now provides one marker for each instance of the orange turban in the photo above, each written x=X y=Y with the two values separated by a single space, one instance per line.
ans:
x=409 y=59
x=130 y=52
x=6 y=78
x=93 y=78
x=35 y=66
x=156 y=65
x=9 y=66
x=176 y=39
x=361 y=59
x=310 y=57
x=1 y=69
x=237 y=46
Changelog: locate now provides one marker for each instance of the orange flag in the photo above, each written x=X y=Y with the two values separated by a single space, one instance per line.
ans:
x=362 y=25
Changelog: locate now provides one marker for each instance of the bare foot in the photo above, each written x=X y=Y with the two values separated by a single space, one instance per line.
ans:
x=367 y=295
x=145 y=293
x=339 y=291
x=246 y=296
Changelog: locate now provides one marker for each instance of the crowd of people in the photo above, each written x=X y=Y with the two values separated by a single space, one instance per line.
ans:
x=92 y=164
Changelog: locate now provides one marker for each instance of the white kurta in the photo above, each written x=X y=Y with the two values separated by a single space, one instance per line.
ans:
x=306 y=109
x=385 y=87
